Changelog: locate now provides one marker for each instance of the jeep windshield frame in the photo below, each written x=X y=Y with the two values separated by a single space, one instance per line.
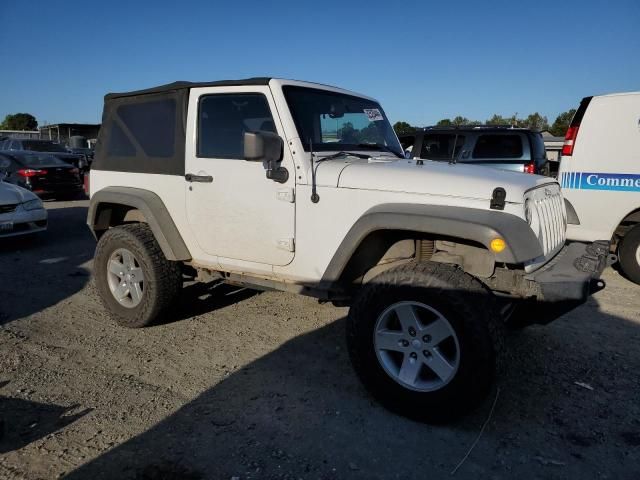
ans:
x=331 y=121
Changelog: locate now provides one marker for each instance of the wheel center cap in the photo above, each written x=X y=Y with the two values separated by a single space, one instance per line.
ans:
x=416 y=343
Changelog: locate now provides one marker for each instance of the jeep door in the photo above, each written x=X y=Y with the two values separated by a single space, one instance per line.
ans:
x=234 y=211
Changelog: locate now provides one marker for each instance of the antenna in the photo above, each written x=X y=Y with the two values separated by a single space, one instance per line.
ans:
x=315 y=198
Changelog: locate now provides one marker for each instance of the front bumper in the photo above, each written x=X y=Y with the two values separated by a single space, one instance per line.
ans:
x=45 y=189
x=574 y=273
x=561 y=285
x=23 y=222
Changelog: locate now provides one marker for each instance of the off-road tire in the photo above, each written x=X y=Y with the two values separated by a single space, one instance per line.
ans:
x=470 y=309
x=627 y=254
x=163 y=278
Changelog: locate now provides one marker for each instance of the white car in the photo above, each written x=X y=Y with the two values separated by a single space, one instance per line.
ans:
x=21 y=212
x=295 y=186
x=600 y=176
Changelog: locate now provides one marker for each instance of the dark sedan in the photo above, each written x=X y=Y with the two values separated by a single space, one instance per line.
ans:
x=17 y=145
x=42 y=173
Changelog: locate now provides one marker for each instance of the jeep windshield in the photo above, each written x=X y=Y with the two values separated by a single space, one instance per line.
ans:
x=337 y=122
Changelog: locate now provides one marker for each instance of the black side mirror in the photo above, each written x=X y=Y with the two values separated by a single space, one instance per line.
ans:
x=266 y=147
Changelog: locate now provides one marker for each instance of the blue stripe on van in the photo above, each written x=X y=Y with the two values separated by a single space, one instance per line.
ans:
x=623 y=182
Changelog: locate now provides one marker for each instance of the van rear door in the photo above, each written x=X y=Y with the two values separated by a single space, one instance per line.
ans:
x=600 y=164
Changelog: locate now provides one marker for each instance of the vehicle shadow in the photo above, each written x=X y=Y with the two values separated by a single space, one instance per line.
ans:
x=25 y=421
x=41 y=270
x=565 y=408
x=200 y=298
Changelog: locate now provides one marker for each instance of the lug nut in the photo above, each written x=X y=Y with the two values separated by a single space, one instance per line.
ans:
x=412 y=331
x=413 y=355
x=426 y=353
x=405 y=343
x=426 y=338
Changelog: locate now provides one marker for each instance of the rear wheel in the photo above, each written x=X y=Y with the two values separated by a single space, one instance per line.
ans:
x=629 y=254
x=136 y=283
x=424 y=338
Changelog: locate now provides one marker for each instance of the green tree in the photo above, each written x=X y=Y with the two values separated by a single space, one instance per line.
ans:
x=403 y=128
x=535 y=121
x=498 y=120
x=348 y=134
x=445 y=122
x=460 y=121
x=370 y=134
x=561 y=123
x=19 y=121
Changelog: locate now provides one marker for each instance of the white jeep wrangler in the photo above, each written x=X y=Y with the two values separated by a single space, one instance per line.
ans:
x=301 y=187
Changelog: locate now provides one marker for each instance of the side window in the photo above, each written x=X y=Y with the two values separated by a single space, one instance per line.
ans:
x=119 y=145
x=498 y=146
x=152 y=124
x=441 y=146
x=15 y=145
x=223 y=120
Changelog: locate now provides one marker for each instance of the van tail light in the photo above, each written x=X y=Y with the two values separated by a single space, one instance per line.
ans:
x=31 y=172
x=530 y=167
x=572 y=131
x=74 y=171
x=570 y=140
x=86 y=183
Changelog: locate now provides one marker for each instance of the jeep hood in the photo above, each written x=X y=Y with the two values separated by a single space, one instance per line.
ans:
x=432 y=177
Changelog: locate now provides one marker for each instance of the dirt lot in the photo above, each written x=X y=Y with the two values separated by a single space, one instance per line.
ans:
x=248 y=385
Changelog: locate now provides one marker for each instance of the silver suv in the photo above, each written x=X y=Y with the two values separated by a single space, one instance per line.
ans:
x=507 y=148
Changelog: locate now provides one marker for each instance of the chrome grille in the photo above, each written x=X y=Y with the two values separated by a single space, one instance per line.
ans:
x=547 y=216
x=7 y=208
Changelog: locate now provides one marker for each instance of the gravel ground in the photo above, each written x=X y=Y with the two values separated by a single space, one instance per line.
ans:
x=258 y=385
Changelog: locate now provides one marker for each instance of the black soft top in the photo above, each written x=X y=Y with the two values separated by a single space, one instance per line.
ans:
x=182 y=85
x=144 y=131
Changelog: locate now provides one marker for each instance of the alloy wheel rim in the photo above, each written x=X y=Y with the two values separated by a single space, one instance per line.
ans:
x=125 y=278
x=416 y=346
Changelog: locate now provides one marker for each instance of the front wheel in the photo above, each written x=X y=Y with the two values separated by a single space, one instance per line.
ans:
x=629 y=254
x=424 y=338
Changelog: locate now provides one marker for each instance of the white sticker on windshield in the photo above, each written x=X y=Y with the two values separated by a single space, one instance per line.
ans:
x=373 y=114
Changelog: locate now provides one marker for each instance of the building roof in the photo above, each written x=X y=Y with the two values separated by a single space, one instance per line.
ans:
x=77 y=125
x=549 y=137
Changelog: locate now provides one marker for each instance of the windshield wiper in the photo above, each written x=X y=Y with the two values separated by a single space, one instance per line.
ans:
x=343 y=154
x=381 y=147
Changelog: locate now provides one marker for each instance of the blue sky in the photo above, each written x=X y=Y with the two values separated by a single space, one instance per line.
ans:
x=423 y=60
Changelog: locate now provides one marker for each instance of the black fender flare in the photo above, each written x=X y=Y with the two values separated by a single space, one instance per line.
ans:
x=152 y=208
x=472 y=224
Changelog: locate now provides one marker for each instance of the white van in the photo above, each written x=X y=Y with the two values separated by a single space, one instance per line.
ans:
x=600 y=175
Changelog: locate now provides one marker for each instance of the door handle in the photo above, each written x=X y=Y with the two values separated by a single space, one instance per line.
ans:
x=190 y=177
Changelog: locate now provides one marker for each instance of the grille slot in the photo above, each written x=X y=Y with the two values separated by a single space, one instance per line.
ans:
x=549 y=217
x=8 y=208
